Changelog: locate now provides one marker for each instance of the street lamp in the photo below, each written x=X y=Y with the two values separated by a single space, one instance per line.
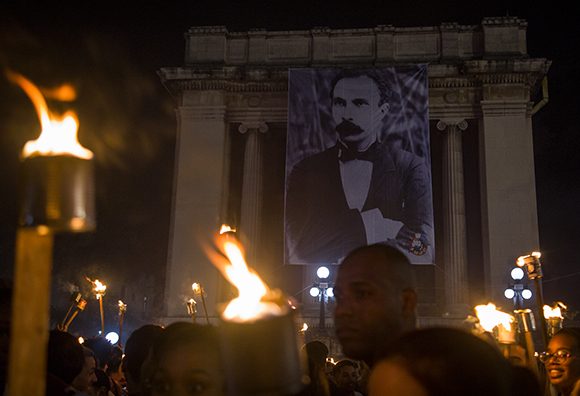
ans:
x=517 y=290
x=323 y=291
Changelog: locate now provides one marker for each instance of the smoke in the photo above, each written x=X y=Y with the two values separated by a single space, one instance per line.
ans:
x=68 y=287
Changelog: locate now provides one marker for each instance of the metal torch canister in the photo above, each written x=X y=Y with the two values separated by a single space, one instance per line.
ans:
x=262 y=357
x=554 y=325
x=58 y=192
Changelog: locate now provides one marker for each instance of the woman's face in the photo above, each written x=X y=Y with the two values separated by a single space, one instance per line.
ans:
x=389 y=378
x=563 y=372
x=191 y=369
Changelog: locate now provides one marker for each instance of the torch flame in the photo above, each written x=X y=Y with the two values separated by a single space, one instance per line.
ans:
x=556 y=311
x=304 y=327
x=226 y=228
x=250 y=304
x=489 y=317
x=521 y=261
x=196 y=287
x=59 y=133
x=99 y=288
x=122 y=307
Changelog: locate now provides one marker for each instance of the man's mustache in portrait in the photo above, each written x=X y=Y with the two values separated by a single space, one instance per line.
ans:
x=346 y=128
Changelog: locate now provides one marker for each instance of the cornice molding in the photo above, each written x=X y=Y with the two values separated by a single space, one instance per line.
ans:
x=202 y=112
x=502 y=108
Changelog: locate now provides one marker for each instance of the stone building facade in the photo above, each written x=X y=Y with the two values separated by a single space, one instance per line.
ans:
x=231 y=107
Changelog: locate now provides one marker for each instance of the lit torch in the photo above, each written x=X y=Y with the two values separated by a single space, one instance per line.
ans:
x=198 y=290
x=554 y=316
x=57 y=170
x=122 y=311
x=257 y=326
x=191 y=308
x=57 y=194
x=99 y=289
x=497 y=323
x=533 y=266
x=80 y=304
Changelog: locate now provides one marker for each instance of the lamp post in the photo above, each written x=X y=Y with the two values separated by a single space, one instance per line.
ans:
x=517 y=291
x=323 y=290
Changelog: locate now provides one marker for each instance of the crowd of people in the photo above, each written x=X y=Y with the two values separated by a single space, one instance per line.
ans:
x=385 y=354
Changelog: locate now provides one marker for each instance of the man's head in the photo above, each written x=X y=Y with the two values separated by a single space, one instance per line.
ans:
x=359 y=104
x=345 y=376
x=87 y=377
x=65 y=357
x=136 y=351
x=375 y=300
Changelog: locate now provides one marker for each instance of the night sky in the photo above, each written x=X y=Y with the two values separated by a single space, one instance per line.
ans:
x=127 y=119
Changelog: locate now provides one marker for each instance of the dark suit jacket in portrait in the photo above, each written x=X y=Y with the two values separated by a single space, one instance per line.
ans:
x=320 y=226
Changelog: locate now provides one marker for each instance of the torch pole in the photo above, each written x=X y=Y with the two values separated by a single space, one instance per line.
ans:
x=204 y=306
x=526 y=325
x=69 y=321
x=64 y=321
x=102 y=315
x=30 y=312
x=121 y=317
x=540 y=302
x=322 y=317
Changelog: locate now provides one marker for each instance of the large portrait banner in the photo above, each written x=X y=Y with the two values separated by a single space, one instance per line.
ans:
x=358 y=165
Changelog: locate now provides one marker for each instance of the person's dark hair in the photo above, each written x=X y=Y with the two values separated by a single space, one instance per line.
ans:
x=317 y=352
x=65 y=356
x=102 y=349
x=114 y=360
x=175 y=336
x=524 y=382
x=137 y=348
x=341 y=364
x=180 y=333
x=103 y=384
x=383 y=86
x=452 y=362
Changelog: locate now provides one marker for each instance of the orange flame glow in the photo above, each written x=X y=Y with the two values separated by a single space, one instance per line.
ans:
x=556 y=311
x=122 y=307
x=59 y=133
x=98 y=287
x=252 y=301
x=226 y=228
x=489 y=317
x=521 y=261
x=196 y=287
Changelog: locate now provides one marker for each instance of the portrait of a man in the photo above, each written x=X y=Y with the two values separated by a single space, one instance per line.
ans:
x=358 y=163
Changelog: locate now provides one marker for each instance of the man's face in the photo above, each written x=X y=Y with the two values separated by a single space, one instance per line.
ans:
x=356 y=112
x=87 y=376
x=191 y=369
x=368 y=311
x=563 y=373
x=346 y=378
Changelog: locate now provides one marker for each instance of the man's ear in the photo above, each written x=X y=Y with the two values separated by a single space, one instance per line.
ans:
x=384 y=109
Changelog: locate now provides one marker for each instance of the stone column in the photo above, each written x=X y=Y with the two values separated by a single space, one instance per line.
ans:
x=508 y=189
x=250 y=218
x=455 y=240
x=197 y=201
